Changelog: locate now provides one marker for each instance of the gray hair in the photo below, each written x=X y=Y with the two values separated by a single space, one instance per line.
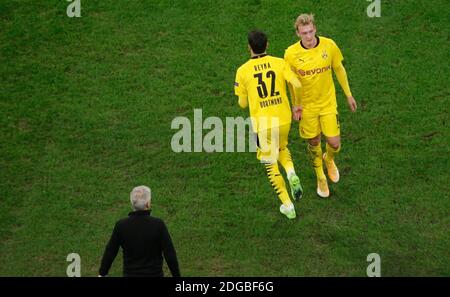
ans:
x=140 y=197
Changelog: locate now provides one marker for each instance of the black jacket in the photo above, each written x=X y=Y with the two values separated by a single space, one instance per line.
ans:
x=144 y=239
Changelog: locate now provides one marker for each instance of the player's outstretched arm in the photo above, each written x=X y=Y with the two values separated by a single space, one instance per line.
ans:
x=291 y=91
x=341 y=76
x=295 y=86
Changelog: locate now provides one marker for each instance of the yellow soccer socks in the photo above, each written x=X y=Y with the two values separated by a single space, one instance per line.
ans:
x=285 y=160
x=332 y=170
x=277 y=182
x=315 y=155
x=331 y=153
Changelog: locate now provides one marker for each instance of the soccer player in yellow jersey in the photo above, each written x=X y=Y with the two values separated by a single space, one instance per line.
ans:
x=313 y=59
x=261 y=85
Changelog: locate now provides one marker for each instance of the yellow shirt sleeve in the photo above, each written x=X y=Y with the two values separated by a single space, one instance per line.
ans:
x=293 y=84
x=287 y=58
x=288 y=73
x=239 y=85
x=341 y=76
x=240 y=90
x=339 y=69
x=336 y=55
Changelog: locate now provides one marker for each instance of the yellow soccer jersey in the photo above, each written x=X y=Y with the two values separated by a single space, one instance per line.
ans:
x=314 y=70
x=263 y=81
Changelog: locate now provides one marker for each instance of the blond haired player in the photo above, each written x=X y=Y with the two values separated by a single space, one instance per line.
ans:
x=261 y=85
x=314 y=58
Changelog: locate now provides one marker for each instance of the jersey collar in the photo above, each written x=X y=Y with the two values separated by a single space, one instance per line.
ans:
x=317 y=44
x=140 y=212
x=259 y=56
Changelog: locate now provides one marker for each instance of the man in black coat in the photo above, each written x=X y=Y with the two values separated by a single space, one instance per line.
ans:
x=144 y=240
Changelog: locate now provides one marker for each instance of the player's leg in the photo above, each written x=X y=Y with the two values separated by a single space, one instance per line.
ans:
x=315 y=155
x=266 y=156
x=331 y=129
x=285 y=160
x=277 y=182
x=310 y=130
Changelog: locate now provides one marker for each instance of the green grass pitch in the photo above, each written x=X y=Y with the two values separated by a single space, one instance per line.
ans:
x=86 y=106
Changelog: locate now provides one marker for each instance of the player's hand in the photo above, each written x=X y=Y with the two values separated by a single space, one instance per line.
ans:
x=351 y=103
x=297 y=112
